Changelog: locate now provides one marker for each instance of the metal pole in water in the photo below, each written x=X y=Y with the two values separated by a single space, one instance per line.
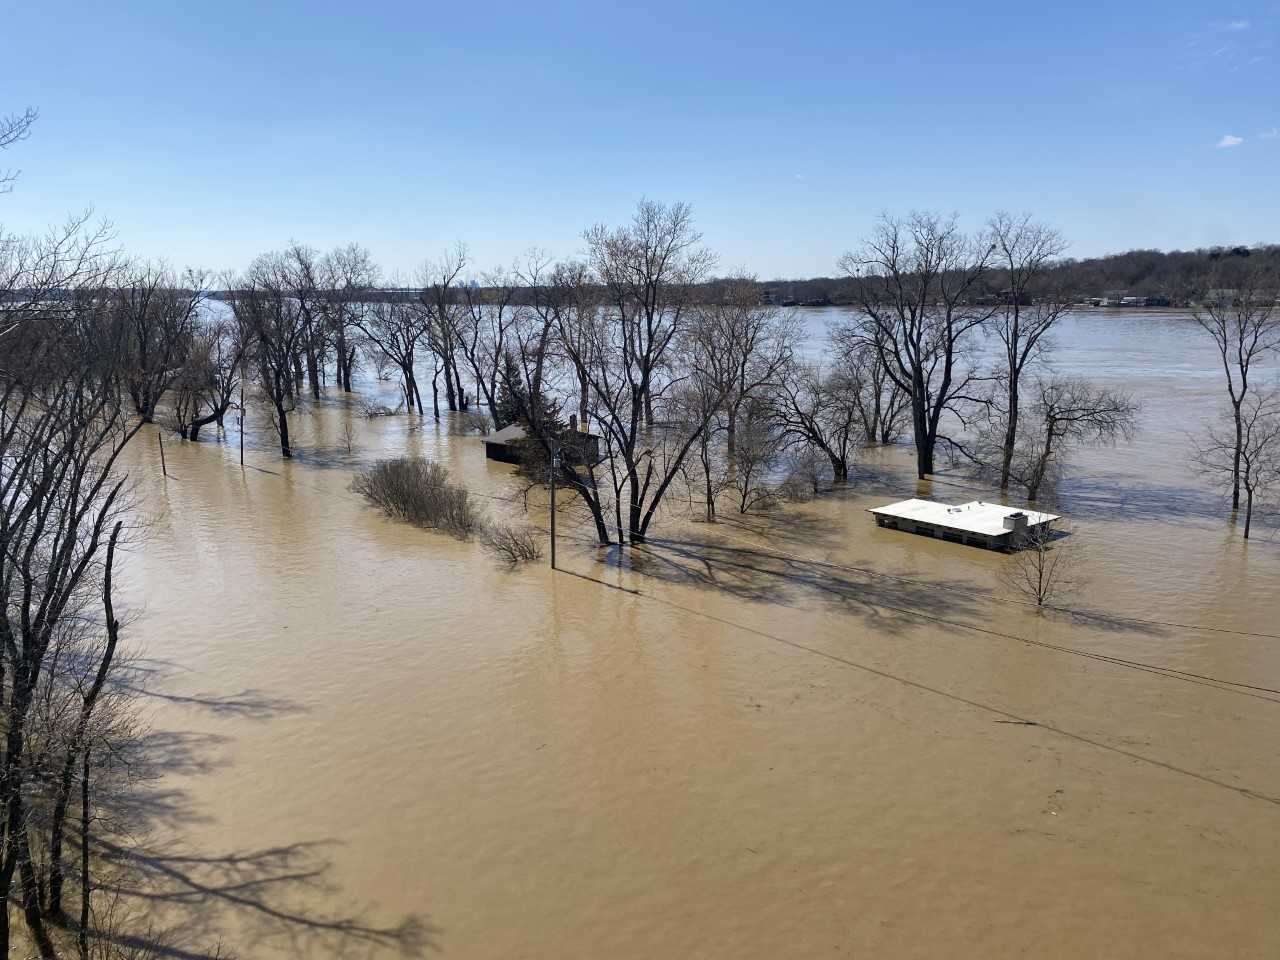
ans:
x=555 y=466
x=160 y=439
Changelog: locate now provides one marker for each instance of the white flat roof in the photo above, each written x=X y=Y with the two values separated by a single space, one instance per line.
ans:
x=976 y=516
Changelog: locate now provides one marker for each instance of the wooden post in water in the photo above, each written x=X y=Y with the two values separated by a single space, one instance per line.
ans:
x=160 y=439
x=555 y=466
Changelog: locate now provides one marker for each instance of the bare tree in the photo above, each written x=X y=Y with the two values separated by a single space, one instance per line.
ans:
x=347 y=275
x=1068 y=412
x=14 y=127
x=157 y=314
x=757 y=453
x=633 y=358
x=63 y=427
x=206 y=388
x=820 y=408
x=1042 y=566
x=572 y=300
x=882 y=405
x=1245 y=327
x=914 y=282
x=482 y=325
x=741 y=346
x=1246 y=454
x=1025 y=250
x=649 y=270
x=265 y=307
x=439 y=299
x=299 y=272
x=396 y=329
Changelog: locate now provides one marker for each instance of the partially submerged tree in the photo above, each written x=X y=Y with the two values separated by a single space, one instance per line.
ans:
x=1245 y=452
x=439 y=280
x=819 y=408
x=396 y=329
x=1067 y=412
x=914 y=283
x=1244 y=325
x=1042 y=567
x=157 y=313
x=265 y=307
x=206 y=388
x=298 y=272
x=347 y=275
x=1026 y=251
x=632 y=358
x=482 y=326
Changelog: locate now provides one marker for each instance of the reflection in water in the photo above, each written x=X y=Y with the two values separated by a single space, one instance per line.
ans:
x=794 y=735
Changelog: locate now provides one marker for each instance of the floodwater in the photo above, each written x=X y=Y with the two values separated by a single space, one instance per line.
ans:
x=786 y=736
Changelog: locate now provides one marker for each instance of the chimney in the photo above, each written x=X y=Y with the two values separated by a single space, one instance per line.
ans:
x=1016 y=522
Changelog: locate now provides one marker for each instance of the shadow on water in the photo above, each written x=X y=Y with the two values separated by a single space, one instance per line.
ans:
x=1112 y=497
x=761 y=576
x=180 y=901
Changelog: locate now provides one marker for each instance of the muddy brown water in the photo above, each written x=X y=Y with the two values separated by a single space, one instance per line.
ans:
x=742 y=740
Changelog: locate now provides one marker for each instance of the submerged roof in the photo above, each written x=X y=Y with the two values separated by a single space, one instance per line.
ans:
x=508 y=434
x=975 y=516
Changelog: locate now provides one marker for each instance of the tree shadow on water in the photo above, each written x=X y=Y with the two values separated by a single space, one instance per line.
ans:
x=258 y=898
x=178 y=898
x=884 y=604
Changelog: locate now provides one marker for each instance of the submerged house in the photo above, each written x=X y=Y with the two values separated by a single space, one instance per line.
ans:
x=578 y=447
x=977 y=523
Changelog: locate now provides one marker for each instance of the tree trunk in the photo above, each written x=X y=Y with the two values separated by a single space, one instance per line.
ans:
x=450 y=398
x=283 y=417
x=313 y=373
x=1248 y=514
x=407 y=375
x=1235 y=466
x=1010 y=433
x=56 y=911
x=340 y=349
x=86 y=888
x=921 y=434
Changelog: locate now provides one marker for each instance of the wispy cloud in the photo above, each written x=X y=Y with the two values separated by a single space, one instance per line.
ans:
x=1230 y=140
x=1232 y=26
x=1272 y=134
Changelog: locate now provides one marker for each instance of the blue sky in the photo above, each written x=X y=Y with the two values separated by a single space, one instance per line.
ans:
x=210 y=132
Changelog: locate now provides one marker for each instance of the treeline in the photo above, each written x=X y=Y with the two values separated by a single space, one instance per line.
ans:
x=1180 y=276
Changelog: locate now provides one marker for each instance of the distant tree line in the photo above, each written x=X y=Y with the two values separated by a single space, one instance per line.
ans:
x=1179 y=276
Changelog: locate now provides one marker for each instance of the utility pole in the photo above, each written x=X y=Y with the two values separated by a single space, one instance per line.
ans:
x=555 y=468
